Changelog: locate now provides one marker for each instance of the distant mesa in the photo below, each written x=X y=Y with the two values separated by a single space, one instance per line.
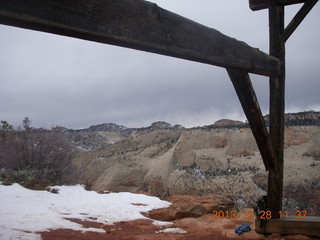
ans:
x=164 y=125
x=178 y=126
x=107 y=127
x=307 y=118
x=161 y=125
x=227 y=122
x=59 y=129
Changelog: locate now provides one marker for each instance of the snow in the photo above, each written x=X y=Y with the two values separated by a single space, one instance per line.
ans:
x=162 y=223
x=25 y=212
x=172 y=230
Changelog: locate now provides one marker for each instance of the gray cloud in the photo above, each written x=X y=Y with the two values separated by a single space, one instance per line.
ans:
x=57 y=80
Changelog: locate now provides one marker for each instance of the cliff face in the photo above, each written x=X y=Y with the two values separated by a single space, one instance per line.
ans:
x=200 y=161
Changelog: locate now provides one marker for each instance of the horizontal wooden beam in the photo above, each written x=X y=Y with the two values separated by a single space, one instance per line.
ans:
x=290 y=225
x=263 y=4
x=139 y=25
x=248 y=99
x=298 y=18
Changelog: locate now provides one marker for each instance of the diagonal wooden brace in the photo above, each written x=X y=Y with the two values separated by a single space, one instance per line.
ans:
x=243 y=86
x=298 y=18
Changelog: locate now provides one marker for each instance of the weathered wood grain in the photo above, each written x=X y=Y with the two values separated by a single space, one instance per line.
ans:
x=309 y=226
x=263 y=4
x=248 y=99
x=139 y=25
x=277 y=109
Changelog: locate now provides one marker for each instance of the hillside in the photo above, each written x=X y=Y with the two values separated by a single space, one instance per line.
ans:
x=169 y=160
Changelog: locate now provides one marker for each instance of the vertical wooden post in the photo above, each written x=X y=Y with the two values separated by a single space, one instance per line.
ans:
x=277 y=109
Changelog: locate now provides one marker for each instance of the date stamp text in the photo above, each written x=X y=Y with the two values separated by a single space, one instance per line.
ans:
x=262 y=215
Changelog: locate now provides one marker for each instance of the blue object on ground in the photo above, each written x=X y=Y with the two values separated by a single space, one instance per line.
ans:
x=244 y=227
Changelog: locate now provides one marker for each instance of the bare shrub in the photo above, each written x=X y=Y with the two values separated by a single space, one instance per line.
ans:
x=45 y=155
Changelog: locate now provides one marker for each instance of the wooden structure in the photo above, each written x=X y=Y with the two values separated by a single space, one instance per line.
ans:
x=144 y=26
x=307 y=226
x=278 y=36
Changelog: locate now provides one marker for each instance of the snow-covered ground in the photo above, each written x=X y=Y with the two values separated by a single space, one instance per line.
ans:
x=24 y=212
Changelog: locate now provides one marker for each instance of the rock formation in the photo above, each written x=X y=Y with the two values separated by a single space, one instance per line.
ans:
x=168 y=161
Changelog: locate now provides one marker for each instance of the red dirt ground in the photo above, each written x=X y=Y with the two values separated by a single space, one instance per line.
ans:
x=203 y=228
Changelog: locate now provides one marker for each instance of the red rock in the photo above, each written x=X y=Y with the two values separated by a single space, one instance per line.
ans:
x=184 y=206
x=204 y=228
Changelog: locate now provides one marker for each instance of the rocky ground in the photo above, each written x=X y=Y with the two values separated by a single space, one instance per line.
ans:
x=201 y=228
x=190 y=218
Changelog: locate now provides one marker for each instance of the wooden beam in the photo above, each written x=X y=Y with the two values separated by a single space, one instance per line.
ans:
x=139 y=25
x=263 y=4
x=277 y=109
x=298 y=18
x=244 y=89
x=309 y=226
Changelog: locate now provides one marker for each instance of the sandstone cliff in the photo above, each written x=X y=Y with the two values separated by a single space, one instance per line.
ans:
x=175 y=161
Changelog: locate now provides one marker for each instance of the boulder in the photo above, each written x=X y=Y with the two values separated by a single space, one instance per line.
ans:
x=187 y=206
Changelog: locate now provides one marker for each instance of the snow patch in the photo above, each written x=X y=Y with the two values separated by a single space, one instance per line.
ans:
x=162 y=223
x=25 y=212
x=172 y=230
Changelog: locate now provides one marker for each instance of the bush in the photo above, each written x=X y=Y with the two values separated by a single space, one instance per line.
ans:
x=53 y=190
x=34 y=157
x=23 y=177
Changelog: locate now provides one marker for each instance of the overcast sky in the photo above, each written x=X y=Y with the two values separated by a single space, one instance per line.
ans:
x=57 y=80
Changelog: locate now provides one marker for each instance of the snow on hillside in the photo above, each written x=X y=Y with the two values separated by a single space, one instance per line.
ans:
x=24 y=212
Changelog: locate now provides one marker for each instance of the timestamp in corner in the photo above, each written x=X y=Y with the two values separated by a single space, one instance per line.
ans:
x=233 y=214
x=283 y=214
x=249 y=215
